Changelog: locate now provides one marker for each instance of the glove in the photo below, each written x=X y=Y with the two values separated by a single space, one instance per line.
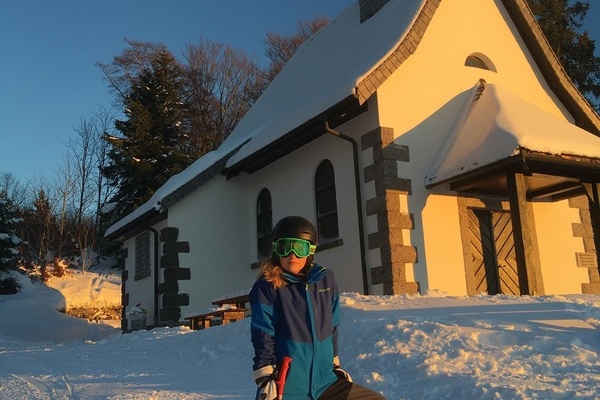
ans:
x=340 y=373
x=265 y=380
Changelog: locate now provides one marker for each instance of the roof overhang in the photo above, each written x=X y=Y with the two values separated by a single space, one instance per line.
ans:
x=548 y=177
x=336 y=115
x=138 y=225
x=497 y=133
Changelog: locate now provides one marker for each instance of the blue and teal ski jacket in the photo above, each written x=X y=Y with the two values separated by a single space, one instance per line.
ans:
x=298 y=320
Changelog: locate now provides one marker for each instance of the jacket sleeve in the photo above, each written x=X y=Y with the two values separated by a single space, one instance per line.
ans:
x=262 y=326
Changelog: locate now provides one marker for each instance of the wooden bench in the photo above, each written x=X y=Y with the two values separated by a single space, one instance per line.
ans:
x=230 y=309
x=216 y=317
x=238 y=301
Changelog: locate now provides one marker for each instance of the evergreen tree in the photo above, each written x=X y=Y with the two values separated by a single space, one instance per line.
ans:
x=561 y=22
x=42 y=225
x=9 y=241
x=152 y=144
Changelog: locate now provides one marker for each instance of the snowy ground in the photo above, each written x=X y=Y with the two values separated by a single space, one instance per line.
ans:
x=421 y=347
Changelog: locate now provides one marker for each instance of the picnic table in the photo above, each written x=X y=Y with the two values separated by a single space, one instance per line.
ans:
x=238 y=300
x=230 y=309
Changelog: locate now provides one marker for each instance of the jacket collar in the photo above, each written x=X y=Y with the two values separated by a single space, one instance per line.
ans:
x=315 y=274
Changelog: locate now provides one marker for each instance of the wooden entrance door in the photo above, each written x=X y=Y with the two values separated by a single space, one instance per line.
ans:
x=492 y=248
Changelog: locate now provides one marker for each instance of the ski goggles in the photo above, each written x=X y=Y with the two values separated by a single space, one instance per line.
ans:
x=301 y=248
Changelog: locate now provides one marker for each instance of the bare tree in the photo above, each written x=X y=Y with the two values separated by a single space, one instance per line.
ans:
x=105 y=122
x=217 y=80
x=122 y=73
x=64 y=191
x=14 y=190
x=82 y=158
x=279 y=48
x=81 y=149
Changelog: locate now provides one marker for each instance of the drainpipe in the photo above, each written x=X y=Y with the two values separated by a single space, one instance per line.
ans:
x=361 y=230
x=156 y=270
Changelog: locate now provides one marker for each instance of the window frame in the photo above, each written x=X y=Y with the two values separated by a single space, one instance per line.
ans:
x=324 y=185
x=264 y=224
x=143 y=264
x=481 y=61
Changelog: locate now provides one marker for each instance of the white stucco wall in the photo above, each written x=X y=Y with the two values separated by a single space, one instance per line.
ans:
x=215 y=221
x=442 y=251
x=219 y=222
x=558 y=247
x=291 y=182
x=142 y=290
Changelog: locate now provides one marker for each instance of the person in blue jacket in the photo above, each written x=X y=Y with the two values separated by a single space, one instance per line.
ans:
x=296 y=313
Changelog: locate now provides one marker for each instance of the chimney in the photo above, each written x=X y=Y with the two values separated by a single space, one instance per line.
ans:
x=368 y=8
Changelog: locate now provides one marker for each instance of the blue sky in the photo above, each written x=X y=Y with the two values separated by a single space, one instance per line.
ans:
x=48 y=51
x=49 y=80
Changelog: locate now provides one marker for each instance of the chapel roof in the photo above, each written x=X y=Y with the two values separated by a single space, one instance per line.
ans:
x=330 y=77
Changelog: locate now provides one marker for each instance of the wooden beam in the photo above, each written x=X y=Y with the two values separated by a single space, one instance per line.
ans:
x=526 y=248
x=554 y=190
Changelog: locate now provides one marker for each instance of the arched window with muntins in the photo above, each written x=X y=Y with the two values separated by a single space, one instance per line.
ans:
x=327 y=216
x=264 y=223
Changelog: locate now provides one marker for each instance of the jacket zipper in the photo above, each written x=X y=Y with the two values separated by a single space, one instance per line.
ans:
x=312 y=316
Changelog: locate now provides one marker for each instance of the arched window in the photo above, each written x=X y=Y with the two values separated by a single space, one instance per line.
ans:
x=479 y=60
x=264 y=223
x=327 y=218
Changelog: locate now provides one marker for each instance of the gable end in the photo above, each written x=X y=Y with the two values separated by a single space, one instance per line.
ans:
x=407 y=47
x=550 y=66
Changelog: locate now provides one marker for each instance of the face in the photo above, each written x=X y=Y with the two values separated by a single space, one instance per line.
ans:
x=292 y=263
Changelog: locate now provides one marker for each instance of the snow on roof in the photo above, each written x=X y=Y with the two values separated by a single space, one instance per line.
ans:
x=325 y=70
x=201 y=165
x=495 y=124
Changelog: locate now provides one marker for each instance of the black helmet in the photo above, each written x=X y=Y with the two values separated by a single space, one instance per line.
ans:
x=295 y=227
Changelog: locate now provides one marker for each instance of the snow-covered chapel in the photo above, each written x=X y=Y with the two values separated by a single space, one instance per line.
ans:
x=437 y=145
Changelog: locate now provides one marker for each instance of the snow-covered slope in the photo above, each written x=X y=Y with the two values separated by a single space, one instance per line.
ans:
x=406 y=347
